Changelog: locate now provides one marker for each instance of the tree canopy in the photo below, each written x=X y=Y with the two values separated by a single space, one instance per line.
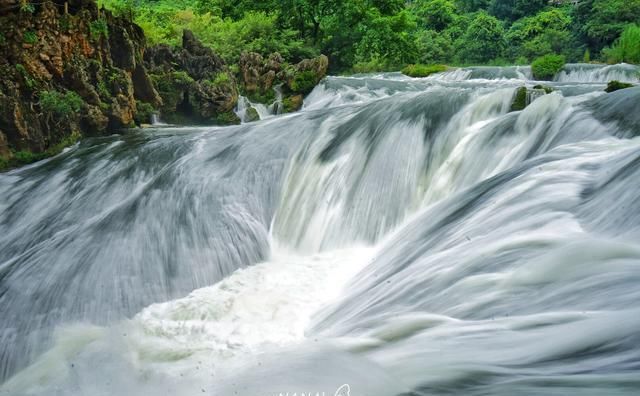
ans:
x=365 y=35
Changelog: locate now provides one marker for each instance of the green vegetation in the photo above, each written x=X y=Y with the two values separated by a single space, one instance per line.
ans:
x=304 y=82
x=520 y=99
x=30 y=37
x=423 y=70
x=616 y=86
x=24 y=157
x=62 y=105
x=377 y=35
x=99 y=29
x=28 y=80
x=546 y=67
x=626 y=48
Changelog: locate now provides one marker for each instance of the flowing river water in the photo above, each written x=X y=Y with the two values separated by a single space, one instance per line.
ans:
x=400 y=236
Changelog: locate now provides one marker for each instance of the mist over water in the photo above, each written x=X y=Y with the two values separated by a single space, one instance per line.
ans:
x=402 y=236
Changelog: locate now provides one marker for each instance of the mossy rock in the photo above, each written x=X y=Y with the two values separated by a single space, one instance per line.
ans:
x=616 y=86
x=418 y=71
x=304 y=82
x=144 y=112
x=228 y=118
x=252 y=115
x=545 y=88
x=292 y=103
x=520 y=99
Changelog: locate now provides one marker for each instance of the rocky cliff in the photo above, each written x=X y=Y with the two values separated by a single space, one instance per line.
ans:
x=70 y=70
x=66 y=74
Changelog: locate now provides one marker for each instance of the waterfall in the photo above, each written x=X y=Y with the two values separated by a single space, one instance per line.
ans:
x=400 y=236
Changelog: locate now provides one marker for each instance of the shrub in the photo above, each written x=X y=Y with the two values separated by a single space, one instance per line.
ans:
x=98 y=29
x=546 y=67
x=63 y=105
x=30 y=37
x=304 y=81
x=626 y=48
x=423 y=70
x=221 y=79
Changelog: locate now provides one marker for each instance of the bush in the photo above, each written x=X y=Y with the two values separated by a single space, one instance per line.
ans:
x=423 y=70
x=546 y=67
x=304 y=82
x=626 y=48
x=63 y=105
x=98 y=29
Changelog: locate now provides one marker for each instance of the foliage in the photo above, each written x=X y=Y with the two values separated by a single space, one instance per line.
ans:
x=483 y=41
x=29 y=81
x=626 y=48
x=616 y=86
x=423 y=70
x=63 y=105
x=98 y=29
x=546 y=67
x=304 y=81
x=605 y=20
x=376 y=35
x=30 y=37
x=26 y=6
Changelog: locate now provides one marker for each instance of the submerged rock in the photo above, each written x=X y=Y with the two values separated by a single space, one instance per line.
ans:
x=616 y=86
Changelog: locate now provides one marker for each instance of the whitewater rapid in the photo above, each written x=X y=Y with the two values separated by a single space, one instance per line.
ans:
x=397 y=236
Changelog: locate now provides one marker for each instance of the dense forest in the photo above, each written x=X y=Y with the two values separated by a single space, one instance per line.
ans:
x=373 y=35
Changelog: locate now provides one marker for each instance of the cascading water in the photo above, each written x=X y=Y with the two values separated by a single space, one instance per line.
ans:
x=400 y=236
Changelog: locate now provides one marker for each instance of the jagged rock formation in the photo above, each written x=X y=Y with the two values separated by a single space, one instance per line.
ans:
x=67 y=75
x=194 y=82
x=81 y=71
x=259 y=77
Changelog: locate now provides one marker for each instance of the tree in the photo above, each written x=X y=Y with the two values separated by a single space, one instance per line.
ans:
x=483 y=41
x=607 y=19
x=548 y=31
x=512 y=10
x=435 y=14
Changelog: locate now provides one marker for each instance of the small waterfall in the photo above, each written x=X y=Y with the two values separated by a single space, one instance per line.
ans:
x=156 y=121
x=589 y=73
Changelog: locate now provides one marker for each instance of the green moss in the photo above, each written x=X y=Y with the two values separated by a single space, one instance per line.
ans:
x=617 y=85
x=423 y=70
x=304 y=82
x=221 y=79
x=103 y=90
x=520 y=99
x=30 y=37
x=252 y=115
x=546 y=88
x=292 y=103
x=62 y=105
x=228 y=118
x=25 y=157
x=28 y=80
x=98 y=29
x=3 y=39
x=267 y=97
x=546 y=67
x=171 y=87
x=144 y=111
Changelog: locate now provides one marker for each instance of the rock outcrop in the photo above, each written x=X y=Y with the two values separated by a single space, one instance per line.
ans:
x=67 y=75
x=194 y=82
x=260 y=77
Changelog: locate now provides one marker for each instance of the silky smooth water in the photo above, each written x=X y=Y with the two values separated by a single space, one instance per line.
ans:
x=397 y=236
